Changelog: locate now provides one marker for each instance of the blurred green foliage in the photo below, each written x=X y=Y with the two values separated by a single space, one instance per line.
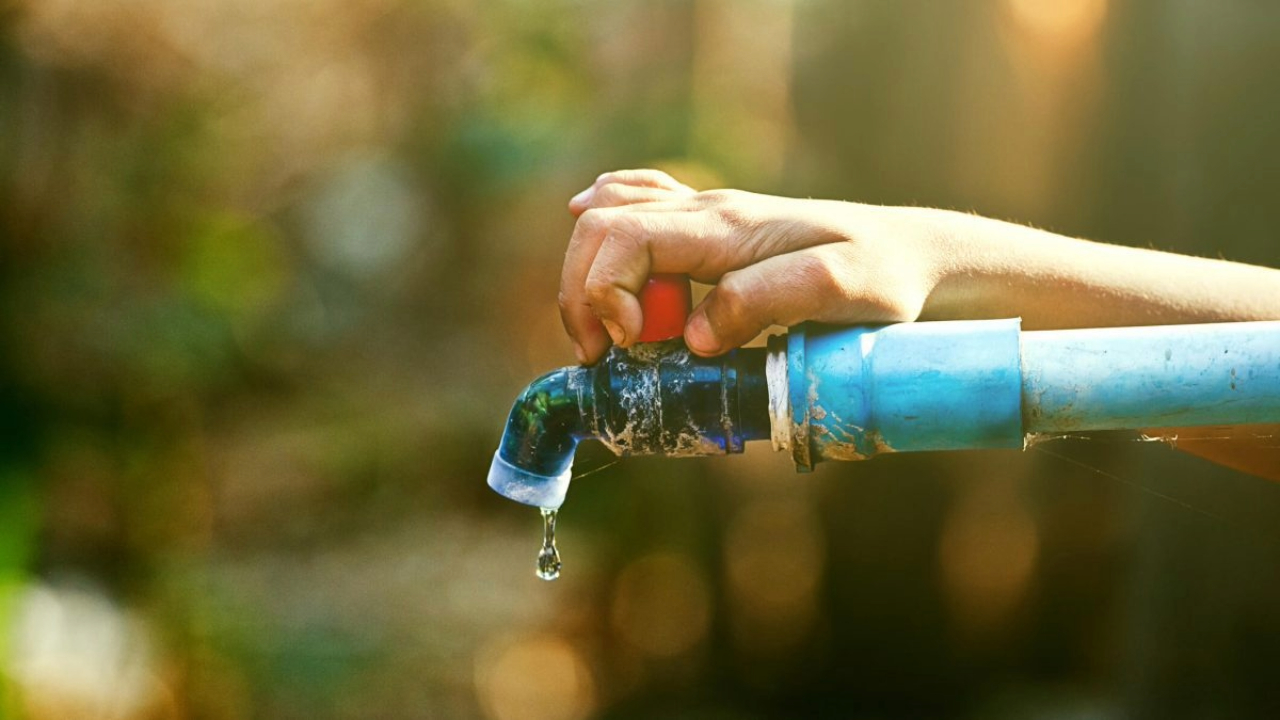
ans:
x=271 y=274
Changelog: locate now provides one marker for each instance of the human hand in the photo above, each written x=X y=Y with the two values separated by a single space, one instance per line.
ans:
x=773 y=260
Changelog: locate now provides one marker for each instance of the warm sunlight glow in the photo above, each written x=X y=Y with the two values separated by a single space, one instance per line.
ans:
x=1060 y=21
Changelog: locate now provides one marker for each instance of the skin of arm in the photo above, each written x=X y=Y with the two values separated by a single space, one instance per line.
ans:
x=997 y=269
x=782 y=261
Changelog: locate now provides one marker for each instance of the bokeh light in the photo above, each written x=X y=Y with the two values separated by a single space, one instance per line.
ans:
x=987 y=555
x=661 y=605
x=539 y=677
x=1059 y=21
x=74 y=653
x=774 y=559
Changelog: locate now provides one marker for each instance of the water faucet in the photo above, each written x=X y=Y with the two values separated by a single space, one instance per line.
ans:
x=824 y=392
x=655 y=399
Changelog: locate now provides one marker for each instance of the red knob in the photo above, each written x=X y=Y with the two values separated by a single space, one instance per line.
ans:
x=665 y=302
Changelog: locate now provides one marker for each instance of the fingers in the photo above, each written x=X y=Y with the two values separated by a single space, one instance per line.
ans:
x=645 y=182
x=614 y=249
x=646 y=177
x=611 y=255
x=607 y=263
x=825 y=283
x=589 y=336
x=620 y=269
x=618 y=195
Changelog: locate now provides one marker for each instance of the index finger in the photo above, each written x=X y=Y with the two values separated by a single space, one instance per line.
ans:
x=580 y=313
x=580 y=321
x=641 y=178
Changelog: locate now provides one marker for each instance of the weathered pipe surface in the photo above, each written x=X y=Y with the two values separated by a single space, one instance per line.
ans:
x=1151 y=377
x=856 y=392
x=654 y=399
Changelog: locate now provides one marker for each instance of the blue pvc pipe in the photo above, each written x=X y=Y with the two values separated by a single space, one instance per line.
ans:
x=860 y=391
x=1151 y=377
x=855 y=392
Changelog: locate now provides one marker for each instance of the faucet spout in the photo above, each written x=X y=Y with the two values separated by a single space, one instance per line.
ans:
x=534 y=460
x=653 y=399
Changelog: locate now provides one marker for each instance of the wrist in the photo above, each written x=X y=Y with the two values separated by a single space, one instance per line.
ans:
x=960 y=257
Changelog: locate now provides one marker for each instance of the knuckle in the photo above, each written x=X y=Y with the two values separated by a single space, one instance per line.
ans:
x=716 y=197
x=732 y=299
x=619 y=177
x=731 y=208
x=565 y=301
x=738 y=218
x=628 y=232
x=662 y=178
x=598 y=290
x=611 y=193
x=639 y=176
x=593 y=221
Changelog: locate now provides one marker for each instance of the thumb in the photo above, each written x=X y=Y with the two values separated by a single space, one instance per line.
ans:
x=784 y=290
x=821 y=283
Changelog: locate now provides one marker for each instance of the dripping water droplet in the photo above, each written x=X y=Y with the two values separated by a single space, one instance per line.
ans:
x=549 y=556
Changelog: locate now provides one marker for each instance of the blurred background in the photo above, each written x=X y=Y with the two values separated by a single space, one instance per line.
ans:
x=273 y=272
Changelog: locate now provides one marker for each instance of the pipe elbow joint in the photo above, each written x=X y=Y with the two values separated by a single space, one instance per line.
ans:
x=534 y=460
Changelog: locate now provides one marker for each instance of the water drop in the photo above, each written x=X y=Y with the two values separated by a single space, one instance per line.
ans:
x=548 y=556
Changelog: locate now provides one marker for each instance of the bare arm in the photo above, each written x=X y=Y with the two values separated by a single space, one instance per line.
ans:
x=998 y=269
x=781 y=261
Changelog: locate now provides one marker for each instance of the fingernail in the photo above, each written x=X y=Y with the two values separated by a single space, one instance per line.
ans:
x=699 y=335
x=615 y=331
x=583 y=197
x=579 y=353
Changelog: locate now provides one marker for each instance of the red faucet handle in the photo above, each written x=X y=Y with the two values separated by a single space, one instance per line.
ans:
x=665 y=302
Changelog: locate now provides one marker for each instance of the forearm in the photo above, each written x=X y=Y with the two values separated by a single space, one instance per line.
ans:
x=989 y=268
